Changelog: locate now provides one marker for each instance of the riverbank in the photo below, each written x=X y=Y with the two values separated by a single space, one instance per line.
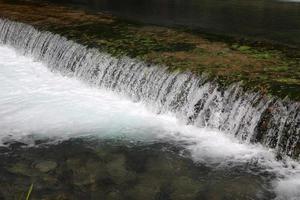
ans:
x=267 y=68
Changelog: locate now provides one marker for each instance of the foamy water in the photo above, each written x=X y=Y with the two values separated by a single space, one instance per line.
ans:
x=36 y=103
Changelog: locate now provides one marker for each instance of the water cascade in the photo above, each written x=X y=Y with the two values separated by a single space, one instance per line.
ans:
x=249 y=116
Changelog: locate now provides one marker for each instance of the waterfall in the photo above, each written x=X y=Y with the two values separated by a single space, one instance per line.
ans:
x=250 y=116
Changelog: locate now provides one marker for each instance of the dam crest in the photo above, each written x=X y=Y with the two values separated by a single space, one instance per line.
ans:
x=251 y=117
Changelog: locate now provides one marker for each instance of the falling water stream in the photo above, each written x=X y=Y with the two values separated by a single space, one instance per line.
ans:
x=194 y=100
x=66 y=91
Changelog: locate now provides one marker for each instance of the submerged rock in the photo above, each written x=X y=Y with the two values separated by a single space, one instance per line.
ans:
x=46 y=166
x=20 y=169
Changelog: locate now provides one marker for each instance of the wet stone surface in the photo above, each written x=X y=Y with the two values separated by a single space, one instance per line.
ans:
x=81 y=169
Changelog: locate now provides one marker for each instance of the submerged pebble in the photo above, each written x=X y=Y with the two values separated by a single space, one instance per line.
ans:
x=46 y=166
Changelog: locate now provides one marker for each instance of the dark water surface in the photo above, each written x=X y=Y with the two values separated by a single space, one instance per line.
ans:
x=264 y=19
x=111 y=169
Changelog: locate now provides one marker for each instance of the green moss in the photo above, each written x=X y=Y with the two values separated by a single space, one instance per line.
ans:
x=244 y=48
x=288 y=81
x=282 y=68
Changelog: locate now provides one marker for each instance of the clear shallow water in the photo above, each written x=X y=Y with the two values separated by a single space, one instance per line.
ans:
x=38 y=104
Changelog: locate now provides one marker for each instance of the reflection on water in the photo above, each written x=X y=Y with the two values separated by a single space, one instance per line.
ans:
x=268 y=19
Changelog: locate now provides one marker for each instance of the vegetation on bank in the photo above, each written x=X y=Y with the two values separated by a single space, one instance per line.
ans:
x=265 y=67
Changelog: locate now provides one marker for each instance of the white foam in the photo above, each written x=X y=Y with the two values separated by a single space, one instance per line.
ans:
x=288 y=188
x=35 y=102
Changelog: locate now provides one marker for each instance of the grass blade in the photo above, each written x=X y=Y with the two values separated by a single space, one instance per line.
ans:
x=29 y=192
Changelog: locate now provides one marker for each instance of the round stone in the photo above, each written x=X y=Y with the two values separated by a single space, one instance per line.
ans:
x=46 y=166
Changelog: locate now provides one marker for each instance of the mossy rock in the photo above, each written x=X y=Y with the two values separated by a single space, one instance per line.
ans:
x=22 y=168
x=243 y=48
x=46 y=166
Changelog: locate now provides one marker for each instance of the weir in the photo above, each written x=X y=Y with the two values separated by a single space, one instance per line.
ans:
x=251 y=117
